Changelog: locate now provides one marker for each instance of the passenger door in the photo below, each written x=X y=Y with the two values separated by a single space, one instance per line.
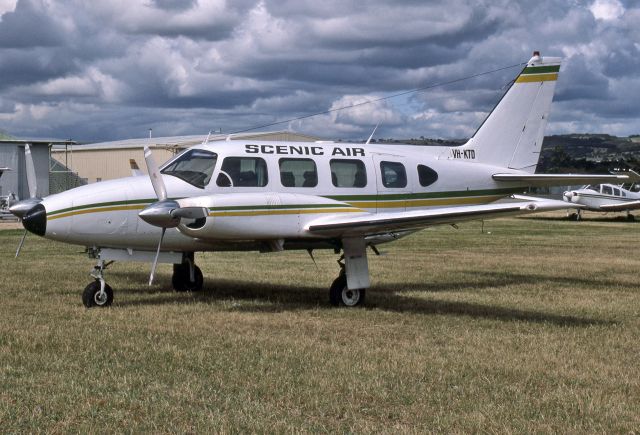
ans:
x=393 y=182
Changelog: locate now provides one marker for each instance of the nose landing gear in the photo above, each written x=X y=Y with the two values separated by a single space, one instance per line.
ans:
x=98 y=293
x=186 y=275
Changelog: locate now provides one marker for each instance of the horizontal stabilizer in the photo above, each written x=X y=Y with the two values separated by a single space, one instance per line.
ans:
x=561 y=179
x=370 y=224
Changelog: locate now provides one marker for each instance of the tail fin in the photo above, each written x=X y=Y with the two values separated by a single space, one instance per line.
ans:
x=512 y=134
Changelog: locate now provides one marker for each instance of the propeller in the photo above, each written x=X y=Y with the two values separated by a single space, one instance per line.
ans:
x=164 y=213
x=21 y=208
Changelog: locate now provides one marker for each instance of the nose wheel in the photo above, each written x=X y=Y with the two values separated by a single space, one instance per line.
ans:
x=95 y=296
x=98 y=293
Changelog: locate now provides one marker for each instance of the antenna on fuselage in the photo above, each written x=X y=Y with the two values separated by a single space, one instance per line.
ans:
x=207 y=139
x=372 y=133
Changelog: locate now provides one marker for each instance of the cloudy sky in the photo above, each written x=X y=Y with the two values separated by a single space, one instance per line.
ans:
x=93 y=71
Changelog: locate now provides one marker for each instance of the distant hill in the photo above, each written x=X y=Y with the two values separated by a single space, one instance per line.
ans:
x=5 y=136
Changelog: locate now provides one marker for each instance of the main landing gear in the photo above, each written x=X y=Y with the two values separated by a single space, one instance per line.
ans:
x=341 y=295
x=187 y=277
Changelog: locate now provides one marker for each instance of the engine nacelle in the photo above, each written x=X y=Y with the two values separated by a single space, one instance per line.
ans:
x=250 y=216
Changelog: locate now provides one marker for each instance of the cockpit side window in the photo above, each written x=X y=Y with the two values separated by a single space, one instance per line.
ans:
x=606 y=190
x=193 y=166
x=243 y=172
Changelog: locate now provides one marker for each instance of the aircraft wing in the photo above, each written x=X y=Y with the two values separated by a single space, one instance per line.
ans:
x=561 y=179
x=621 y=206
x=370 y=224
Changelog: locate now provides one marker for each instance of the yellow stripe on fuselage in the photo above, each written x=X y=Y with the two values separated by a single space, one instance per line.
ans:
x=357 y=207
x=96 y=210
x=529 y=78
x=426 y=202
x=280 y=212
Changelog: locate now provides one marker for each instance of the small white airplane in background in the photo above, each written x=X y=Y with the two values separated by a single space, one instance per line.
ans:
x=273 y=196
x=605 y=198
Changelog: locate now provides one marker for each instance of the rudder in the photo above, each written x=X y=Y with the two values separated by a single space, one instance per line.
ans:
x=511 y=136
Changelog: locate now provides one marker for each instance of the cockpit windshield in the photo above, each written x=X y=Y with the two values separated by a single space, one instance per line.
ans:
x=193 y=166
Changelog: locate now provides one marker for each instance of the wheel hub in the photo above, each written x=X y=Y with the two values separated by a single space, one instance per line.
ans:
x=350 y=297
x=100 y=298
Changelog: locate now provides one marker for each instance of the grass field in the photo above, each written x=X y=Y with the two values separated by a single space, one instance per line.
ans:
x=531 y=326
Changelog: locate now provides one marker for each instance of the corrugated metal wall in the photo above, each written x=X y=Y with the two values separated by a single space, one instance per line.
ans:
x=107 y=164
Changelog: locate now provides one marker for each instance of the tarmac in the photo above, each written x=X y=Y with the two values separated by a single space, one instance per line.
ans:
x=10 y=226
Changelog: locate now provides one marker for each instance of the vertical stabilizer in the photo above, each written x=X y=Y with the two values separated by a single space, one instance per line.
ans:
x=512 y=134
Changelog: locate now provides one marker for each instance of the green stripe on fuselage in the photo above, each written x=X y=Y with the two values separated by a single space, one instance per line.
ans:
x=342 y=198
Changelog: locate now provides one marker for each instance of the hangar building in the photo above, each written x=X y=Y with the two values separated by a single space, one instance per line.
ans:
x=109 y=160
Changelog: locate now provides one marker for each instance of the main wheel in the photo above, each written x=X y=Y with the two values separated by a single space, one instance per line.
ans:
x=340 y=295
x=181 y=279
x=91 y=296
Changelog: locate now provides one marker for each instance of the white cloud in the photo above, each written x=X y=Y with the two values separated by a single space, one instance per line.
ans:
x=7 y=6
x=607 y=10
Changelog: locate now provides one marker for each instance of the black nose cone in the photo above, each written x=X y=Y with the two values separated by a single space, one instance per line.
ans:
x=36 y=220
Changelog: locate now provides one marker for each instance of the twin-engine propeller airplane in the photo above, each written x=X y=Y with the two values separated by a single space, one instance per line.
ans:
x=605 y=198
x=274 y=196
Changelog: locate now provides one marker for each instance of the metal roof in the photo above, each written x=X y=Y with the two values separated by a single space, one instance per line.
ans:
x=172 y=141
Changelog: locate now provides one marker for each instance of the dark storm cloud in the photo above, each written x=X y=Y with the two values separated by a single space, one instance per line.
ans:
x=107 y=70
x=30 y=26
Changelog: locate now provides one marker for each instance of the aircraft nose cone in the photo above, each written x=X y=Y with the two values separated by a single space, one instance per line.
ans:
x=567 y=196
x=35 y=220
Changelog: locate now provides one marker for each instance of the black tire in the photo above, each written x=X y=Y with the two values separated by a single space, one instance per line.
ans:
x=181 y=280
x=341 y=296
x=631 y=218
x=90 y=295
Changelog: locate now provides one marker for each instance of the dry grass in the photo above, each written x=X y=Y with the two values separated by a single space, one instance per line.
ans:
x=534 y=327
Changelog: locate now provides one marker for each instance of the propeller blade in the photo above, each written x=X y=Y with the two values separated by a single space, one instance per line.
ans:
x=24 y=236
x=155 y=260
x=155 y=175
x=190 y=212
x=31 y=172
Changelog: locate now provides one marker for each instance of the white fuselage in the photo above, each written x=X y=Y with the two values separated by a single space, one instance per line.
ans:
x=602 y=197
x=105 y=214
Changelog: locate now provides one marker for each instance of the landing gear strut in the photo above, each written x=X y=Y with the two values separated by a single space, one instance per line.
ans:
x=187 y=277
x=98 y=293
x=341 y=295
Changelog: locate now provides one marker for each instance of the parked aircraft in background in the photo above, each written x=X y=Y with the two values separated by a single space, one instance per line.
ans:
x=605 y=198
x=274 y=196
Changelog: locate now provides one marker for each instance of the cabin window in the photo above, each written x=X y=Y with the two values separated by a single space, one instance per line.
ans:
x=193 y=166
x=348 y=173
x=298 y=173
x=393 y=174
x=607 y=190
x=243 y=172
x=616 y=191
x=426 y=175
